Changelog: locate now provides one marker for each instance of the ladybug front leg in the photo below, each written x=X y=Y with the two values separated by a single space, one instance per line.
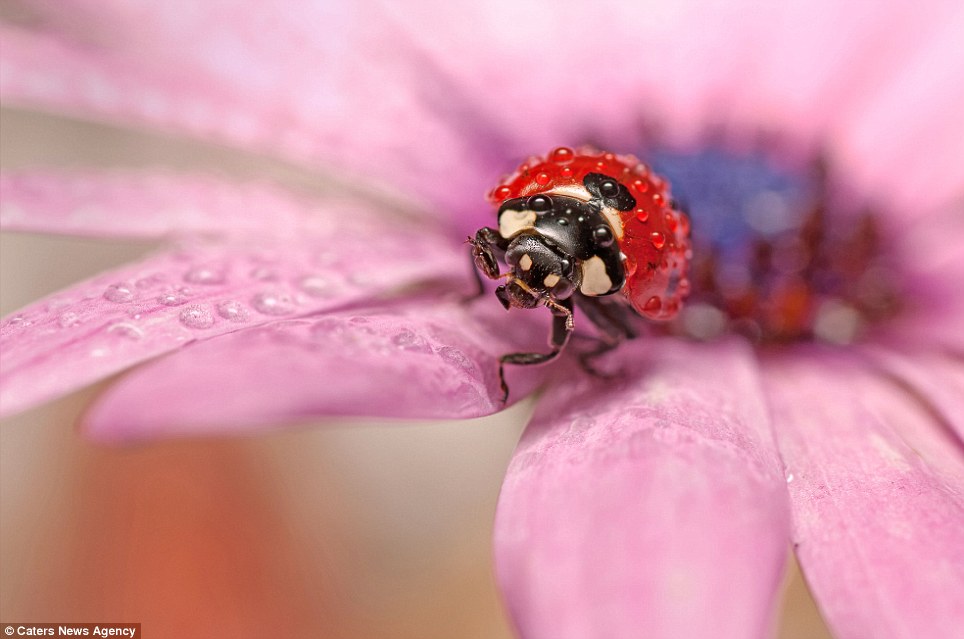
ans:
x=487 y=245
x=561 y=330
x=614 y=320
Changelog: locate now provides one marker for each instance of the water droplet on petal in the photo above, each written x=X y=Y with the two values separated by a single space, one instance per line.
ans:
x=119 y=293
x=456 y=358
x=149 y=281
x=206 y=275
x=410 y=341
x=126 y=330
x=68 y=319
x=264 y=274
x=326 y=328
x=233 y=311
x=197 y=317
x=315 y=286
x=171 y=299
x=273 y=303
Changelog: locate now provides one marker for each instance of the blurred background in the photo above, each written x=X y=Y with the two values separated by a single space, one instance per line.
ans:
x=338 y=529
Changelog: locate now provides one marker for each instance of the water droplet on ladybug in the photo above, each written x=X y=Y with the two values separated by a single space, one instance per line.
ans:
x=502 y=193
x=658 y=239
x=539 y=203
x=642 y=214
x=562 y=155
x=566 y=171
x=602 y=235
x=653 y=304
x=542 y=179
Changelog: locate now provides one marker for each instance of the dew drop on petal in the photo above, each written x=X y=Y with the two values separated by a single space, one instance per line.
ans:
x=273 y=303
x=325 y=328
x=264 y=274
x=407 y=340
x=126 y=330
x=205 y=275
x=232 y=311
x=150 y=281
x=171 y=299
x=68 y=319
x=456 y=358
x=315 y=286
x=119 y=293
x=196 y=316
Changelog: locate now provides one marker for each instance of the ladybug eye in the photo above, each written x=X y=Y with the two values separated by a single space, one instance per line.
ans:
x=539 y=203
x=608 y=188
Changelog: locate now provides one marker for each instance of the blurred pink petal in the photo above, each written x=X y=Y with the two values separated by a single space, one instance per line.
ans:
x=907 y=138
x=878 y=497
x=653 y=506
x=153 y=204
x=936 y=379
x=689 y=66
x=200 y=290
x=312 y=83
x=421 y=360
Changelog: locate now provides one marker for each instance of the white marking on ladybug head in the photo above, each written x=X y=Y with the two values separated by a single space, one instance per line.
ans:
x=511 y=222
x=576 y=191
x=551 y=280
x=616 y=222
x=595 y=279
x=526 y=262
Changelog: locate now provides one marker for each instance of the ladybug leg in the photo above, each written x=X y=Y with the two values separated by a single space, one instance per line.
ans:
x=487 y=245
x=614 y=321
x=561 y=330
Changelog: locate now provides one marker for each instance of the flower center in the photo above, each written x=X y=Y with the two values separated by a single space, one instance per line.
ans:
x=782 y=252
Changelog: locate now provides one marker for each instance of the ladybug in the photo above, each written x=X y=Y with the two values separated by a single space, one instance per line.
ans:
x=586 y=228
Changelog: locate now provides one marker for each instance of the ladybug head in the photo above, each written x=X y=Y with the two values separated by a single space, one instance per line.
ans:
x=538 y=273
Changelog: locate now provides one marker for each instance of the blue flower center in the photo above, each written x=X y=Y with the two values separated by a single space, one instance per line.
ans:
x=781 y=252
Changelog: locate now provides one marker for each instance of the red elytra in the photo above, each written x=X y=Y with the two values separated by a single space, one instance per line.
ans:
x=655 y=241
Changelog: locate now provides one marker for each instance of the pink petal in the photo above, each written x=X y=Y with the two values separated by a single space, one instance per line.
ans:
x=878 y=497
x=331 y=85
x=149 y=205
x=118 y=319
x=806 y=69
x=903 y=141
x=936 y=379
x=652 y=506
x=426 y=359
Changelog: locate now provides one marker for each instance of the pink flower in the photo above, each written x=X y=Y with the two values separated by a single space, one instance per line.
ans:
x=658 y=504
